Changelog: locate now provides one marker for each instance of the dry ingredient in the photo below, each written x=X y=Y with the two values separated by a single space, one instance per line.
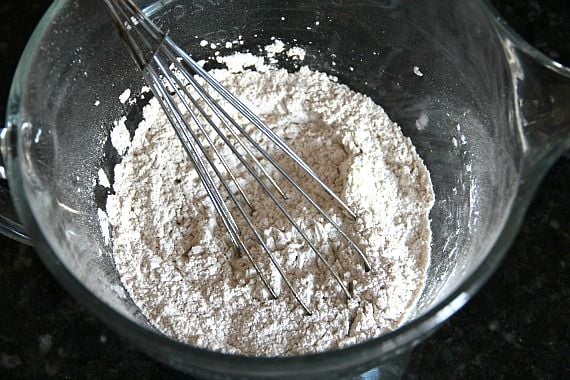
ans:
x=178 y=266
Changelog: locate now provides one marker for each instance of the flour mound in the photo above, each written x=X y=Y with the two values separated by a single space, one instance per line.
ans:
x=176 y=262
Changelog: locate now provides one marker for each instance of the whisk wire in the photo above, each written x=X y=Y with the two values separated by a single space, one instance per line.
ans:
x=252 y=172
x=183 y=93
x=174 y=117
x=222 y=115
x=178 y=121
x=258 y=123
x=127 y=16
x=137 y=30
x=277 y=166
x=241 y=245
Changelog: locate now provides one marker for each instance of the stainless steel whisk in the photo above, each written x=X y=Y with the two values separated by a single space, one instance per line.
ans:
x=162 y=63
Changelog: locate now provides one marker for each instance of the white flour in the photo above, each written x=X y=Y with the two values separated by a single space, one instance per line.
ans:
x=177 y=264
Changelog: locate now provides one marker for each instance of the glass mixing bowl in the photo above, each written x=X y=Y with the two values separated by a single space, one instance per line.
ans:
x=488 y=116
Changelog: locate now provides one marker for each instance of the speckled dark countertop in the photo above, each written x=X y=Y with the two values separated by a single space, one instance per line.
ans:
x=516 y=327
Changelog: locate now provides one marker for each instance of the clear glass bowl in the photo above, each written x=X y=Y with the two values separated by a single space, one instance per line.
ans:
x=489 y=116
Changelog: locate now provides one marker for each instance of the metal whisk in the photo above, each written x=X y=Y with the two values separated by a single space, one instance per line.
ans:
x=165 y=67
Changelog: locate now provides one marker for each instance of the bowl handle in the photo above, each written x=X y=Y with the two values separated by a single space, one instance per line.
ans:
x=542 y=104
x=10 y=225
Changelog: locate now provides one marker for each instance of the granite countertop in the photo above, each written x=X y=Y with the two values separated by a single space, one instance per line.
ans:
x=516 y=326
